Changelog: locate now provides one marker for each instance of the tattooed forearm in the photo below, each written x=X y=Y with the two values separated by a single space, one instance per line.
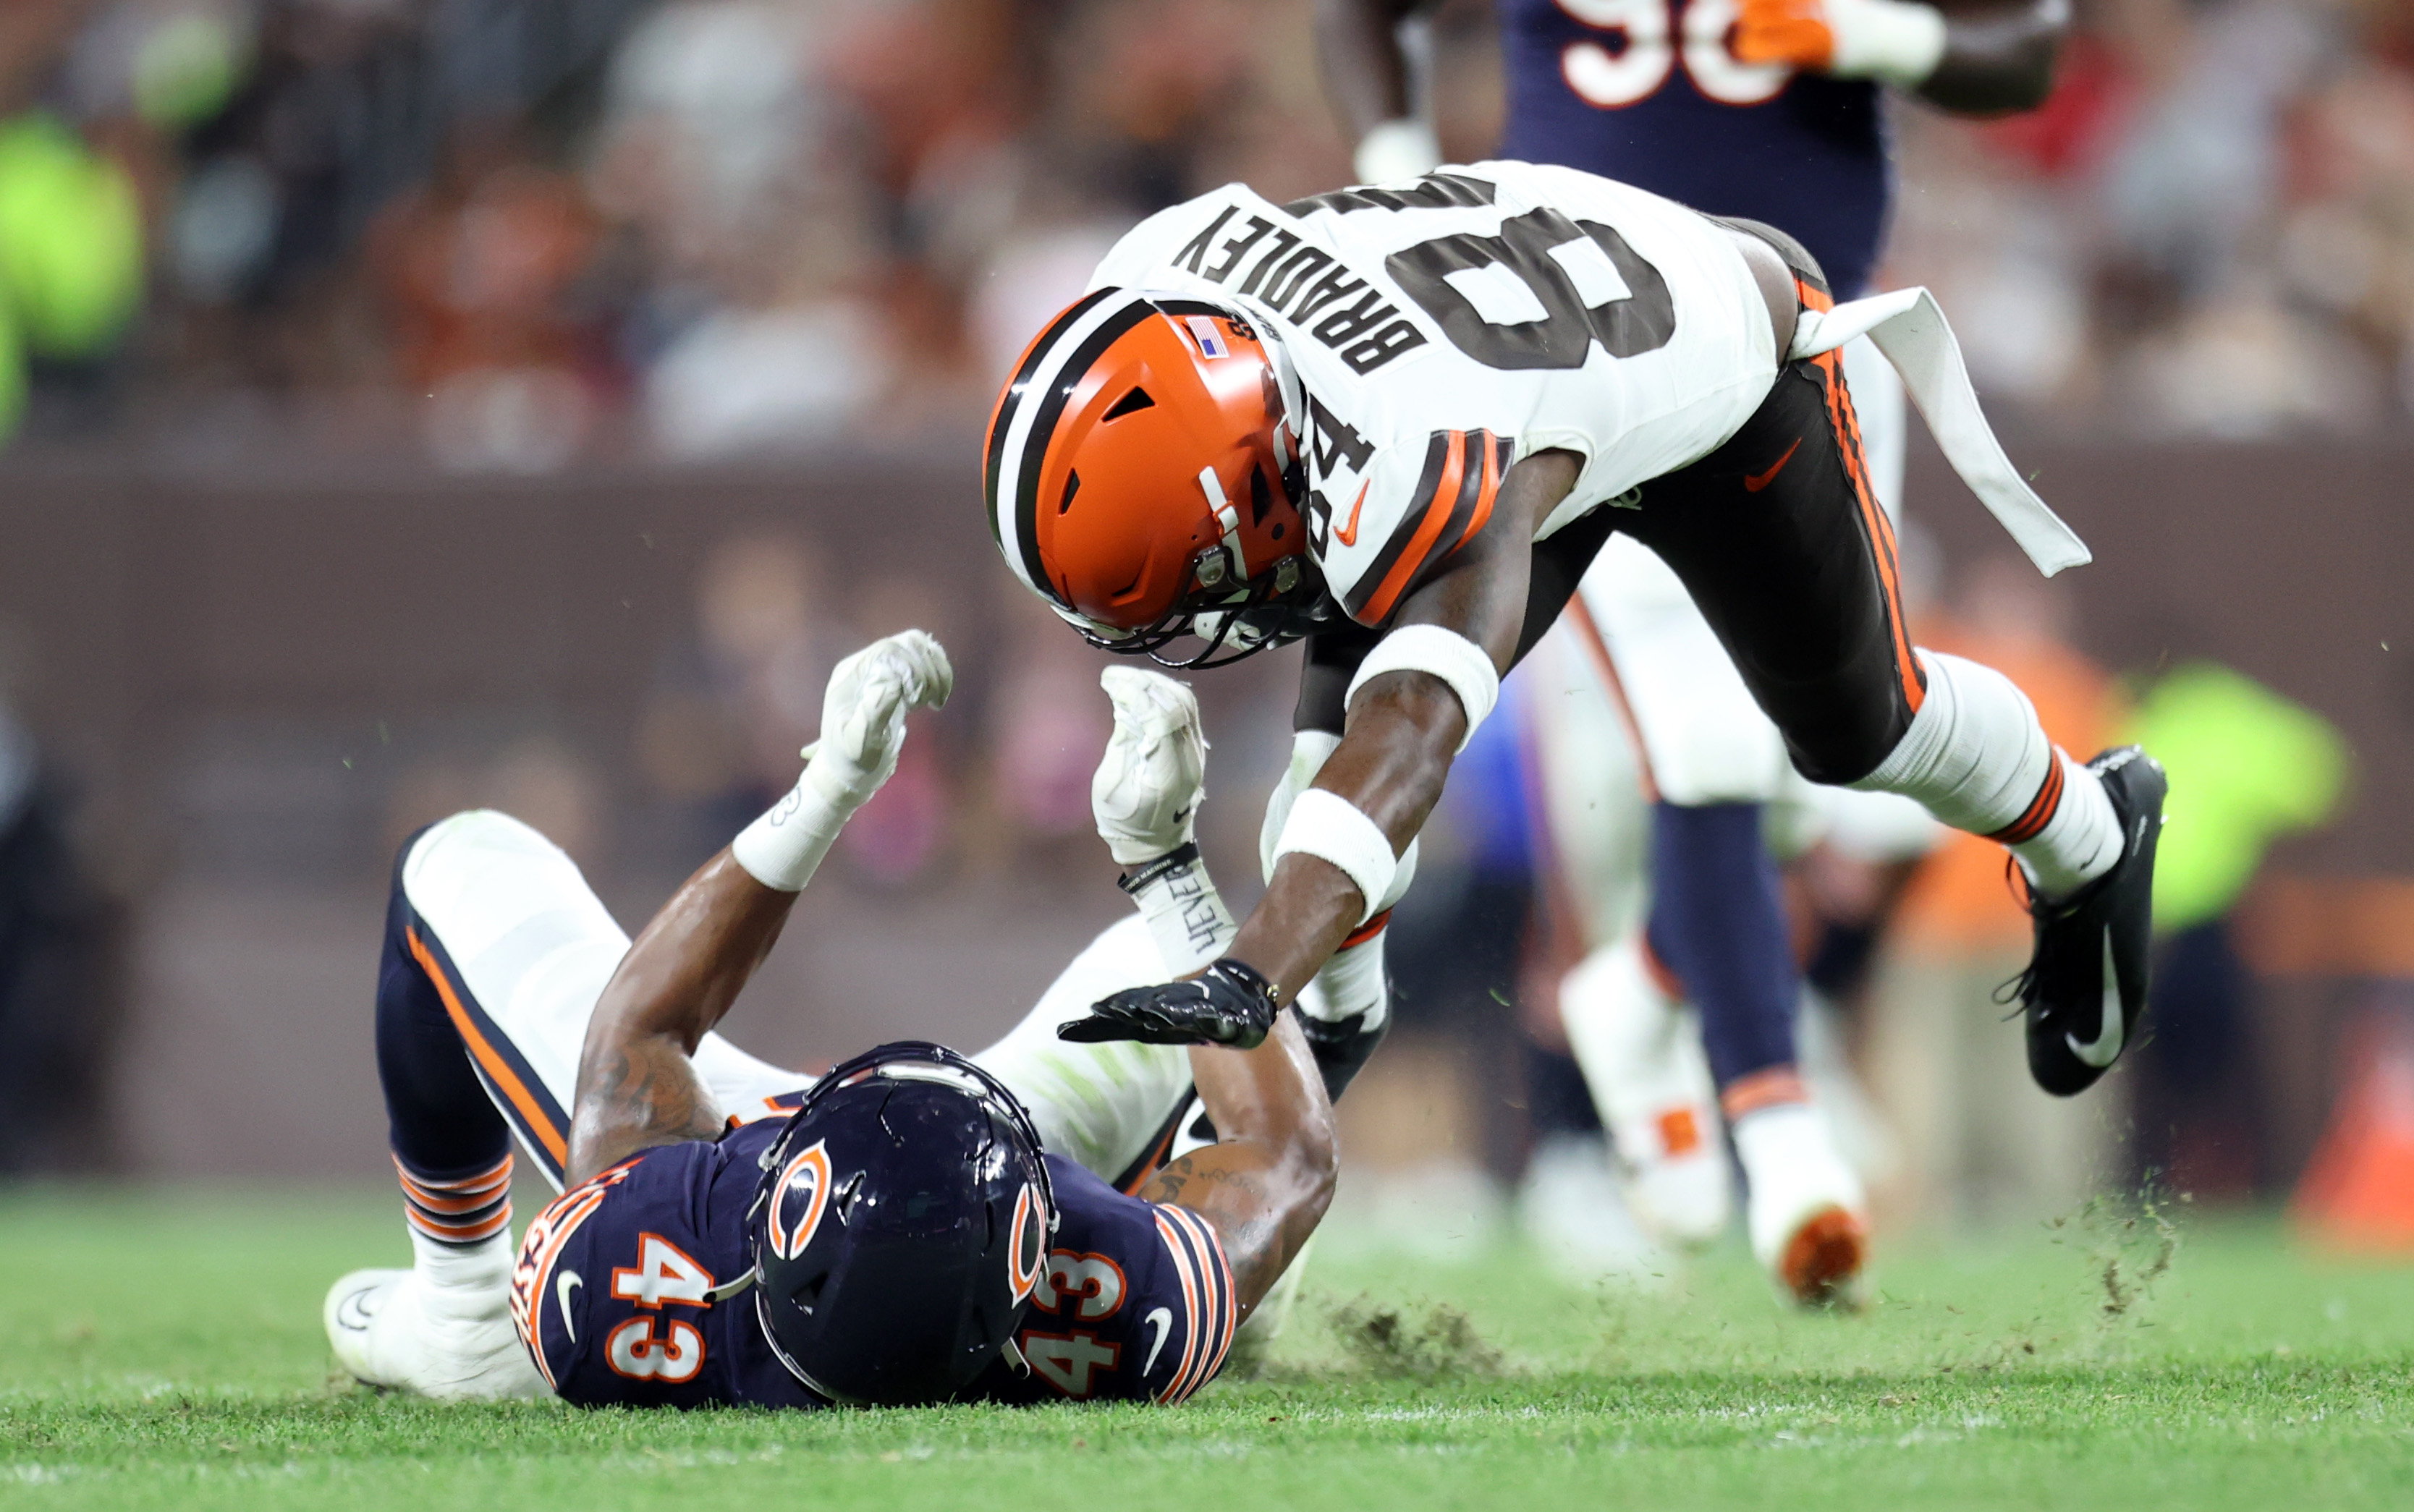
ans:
x=641 y=1095
x=1239 y=1203
x=1190 y=1180
x=657 y=1092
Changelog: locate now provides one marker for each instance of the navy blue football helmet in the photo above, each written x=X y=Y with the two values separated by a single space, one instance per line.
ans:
x=900 y=1227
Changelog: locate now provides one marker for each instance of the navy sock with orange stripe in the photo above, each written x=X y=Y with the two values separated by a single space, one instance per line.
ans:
x=451 y=1147
x=1719 y=925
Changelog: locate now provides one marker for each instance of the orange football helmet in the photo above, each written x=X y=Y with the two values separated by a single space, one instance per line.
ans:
x=1143 y=477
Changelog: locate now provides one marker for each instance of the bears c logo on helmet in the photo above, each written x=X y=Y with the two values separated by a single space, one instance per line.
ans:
x=801 y=1197
x=1024 y=1257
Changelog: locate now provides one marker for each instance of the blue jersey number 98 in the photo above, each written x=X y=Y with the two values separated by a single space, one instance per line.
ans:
x=1641 y=42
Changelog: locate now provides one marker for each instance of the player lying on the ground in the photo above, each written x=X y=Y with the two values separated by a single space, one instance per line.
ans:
x=914 y=1226
x=1400 y=421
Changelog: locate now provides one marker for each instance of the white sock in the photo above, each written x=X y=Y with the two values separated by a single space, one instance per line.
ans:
x=1977 y=758
x=464 y=1280
x=1353 y=981
x=1774 y=1128
x=2080 y=842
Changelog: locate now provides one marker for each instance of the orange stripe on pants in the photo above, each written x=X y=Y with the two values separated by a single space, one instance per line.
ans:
x=1588 y=635
x=498 y=1070
x=1881 y=529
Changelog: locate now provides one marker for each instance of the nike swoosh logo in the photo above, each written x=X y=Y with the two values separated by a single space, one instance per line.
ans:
x=1347 y=534
x=1161 y=1319
x=1755 y=482
x=2109 y=1030
x=351 y=1315
x=561 y=1286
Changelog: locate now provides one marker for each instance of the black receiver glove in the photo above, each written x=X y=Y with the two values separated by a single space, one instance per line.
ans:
x=1229 y=1004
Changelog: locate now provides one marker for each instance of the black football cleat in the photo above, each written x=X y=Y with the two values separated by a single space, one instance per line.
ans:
x=2085 y=987
x=1341 y=1047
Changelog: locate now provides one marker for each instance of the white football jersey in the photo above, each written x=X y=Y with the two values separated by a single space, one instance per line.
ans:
x=1442 y=329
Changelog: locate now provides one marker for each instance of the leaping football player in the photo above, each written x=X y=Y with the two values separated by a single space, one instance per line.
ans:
x=914 y=1226
x=1400 y=422
x=1771 y=109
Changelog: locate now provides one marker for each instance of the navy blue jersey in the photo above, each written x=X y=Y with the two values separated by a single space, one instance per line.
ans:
x=613 y=1291
x=1646 y=92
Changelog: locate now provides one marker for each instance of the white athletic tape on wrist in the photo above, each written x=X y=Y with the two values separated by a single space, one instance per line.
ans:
x=1406 y=874
x=1395 y=151
x=1329 y=827
x=1897 y=41
x=1186 y=913
x=1444 y=654
x=783 y=847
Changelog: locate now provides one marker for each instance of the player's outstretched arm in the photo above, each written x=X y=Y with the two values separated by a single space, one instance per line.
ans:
x=1264 y=1185
x=1999 y=55
x=1404 y=728
x=1975 y=57
x=637 y=1087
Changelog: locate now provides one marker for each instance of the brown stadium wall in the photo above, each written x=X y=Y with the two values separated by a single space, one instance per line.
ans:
x=235 y=666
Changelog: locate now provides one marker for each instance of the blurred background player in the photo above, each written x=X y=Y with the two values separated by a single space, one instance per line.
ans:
x=1768 y=110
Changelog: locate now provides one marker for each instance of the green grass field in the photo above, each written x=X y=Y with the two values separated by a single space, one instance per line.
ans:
x=166 y=1352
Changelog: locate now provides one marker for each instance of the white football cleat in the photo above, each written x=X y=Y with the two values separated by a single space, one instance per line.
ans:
x=1576 y=1218
x=1640 y=1051
x=455 y=1343
x=1804 y=1205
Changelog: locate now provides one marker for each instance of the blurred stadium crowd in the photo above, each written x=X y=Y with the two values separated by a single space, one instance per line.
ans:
x=503 y=229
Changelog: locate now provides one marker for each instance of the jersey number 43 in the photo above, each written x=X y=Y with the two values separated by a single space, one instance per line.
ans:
x=1642 y=42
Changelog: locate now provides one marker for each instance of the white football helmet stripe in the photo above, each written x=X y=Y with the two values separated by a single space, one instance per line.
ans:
x=1044 y=378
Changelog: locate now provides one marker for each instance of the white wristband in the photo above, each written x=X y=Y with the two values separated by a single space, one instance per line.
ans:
x=782 y=848
x=1309 y=751
x=1897 y=41
x=1329 y=826
x=1443 y=653
x=1185 y=914
x=1396 y=151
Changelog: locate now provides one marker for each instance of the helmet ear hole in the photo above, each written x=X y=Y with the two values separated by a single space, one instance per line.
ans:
x=809 y=1294
x=1261 y=496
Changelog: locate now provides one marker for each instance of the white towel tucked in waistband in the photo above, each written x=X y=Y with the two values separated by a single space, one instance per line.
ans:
x=1909 y=328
